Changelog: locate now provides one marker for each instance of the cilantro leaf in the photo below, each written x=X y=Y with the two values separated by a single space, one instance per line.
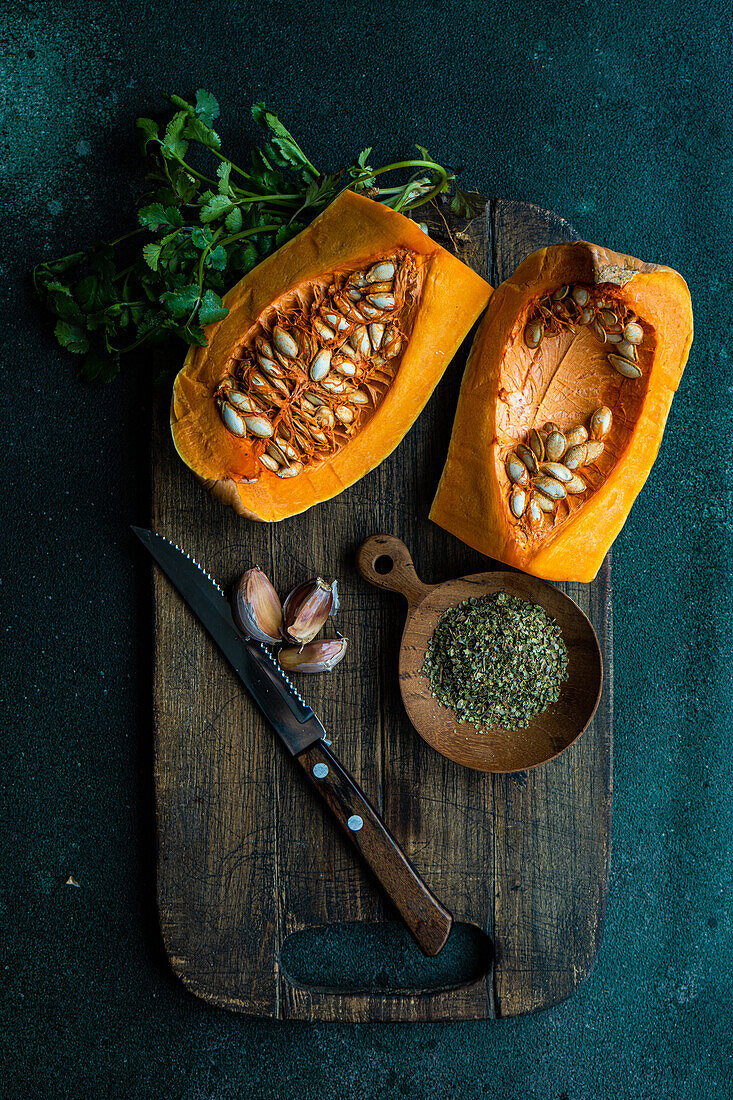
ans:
x=174 y=144
x=207 y=107
x=283 y=148
x=71 y=337
x=215 y=207
x=151 y=254
x=149 y=130
x=467 y=204
x=217 y=258
x=158 y=216
x=182 y=301
x=233 y=220
x=211 y=308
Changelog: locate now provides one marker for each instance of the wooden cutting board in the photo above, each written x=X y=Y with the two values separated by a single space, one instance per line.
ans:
x=246 y=854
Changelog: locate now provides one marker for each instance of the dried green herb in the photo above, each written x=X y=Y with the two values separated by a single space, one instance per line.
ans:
x=497 y=661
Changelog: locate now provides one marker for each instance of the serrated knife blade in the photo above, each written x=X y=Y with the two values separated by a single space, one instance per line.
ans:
x=302 y=733
x=270 y=687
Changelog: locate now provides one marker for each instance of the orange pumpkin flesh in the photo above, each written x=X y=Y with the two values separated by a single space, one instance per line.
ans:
x=353 y=234
x=510 y=388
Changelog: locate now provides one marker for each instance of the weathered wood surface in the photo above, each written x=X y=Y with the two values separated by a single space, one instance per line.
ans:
x=248 y=856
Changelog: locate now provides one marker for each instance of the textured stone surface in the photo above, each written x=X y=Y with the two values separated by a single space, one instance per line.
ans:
x=623 y=127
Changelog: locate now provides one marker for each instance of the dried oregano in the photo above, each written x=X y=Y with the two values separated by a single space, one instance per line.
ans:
x=497 y=661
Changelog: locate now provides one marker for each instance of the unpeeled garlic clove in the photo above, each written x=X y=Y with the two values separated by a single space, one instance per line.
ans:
x=256 y=607
x=320 y=656
x=306 y=609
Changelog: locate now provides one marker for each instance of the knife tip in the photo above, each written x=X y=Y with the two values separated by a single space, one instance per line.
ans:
x=142 y=533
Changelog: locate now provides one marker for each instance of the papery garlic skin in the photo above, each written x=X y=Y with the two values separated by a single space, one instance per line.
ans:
x=256 y=607
x=320 y=656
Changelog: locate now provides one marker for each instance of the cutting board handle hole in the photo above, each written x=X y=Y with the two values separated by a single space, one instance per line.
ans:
x=383 y=565
x=380 y=957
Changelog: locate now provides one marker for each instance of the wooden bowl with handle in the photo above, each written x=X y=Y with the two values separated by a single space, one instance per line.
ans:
x=386 y=562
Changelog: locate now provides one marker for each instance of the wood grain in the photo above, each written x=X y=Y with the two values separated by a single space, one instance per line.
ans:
x=247 y=856
x=488 y=750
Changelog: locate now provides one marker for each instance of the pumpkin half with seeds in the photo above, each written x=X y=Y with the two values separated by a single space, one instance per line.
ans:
x=330 y=350
x=562 y=408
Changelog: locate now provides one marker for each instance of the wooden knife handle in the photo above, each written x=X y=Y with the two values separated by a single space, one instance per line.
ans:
x=427 y=920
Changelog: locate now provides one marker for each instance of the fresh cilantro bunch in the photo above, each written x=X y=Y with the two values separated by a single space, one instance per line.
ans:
x=206 y=223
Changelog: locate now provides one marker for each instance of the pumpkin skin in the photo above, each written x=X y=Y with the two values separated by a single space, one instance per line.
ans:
x=497 y=407
x=348 y=236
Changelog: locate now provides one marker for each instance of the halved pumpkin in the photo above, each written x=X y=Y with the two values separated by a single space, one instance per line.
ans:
x=581 y=343
x=330 y=350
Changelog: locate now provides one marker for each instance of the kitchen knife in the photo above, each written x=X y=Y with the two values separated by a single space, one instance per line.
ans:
x=303 y=735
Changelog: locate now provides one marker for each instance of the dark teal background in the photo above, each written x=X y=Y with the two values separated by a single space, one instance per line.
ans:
x=618 y=117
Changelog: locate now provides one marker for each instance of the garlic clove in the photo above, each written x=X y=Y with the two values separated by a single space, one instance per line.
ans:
x=320 y=656
x=256 y=607
x=306 y=609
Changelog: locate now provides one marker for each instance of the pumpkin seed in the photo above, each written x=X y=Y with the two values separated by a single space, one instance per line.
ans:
x=628 y=350
x=347 y=350
x=284 y=342
x=307 y=405
x=594 y=449
x=557 y=470
x=259 y=426
x=360 y=342
x=270 y=463
x=391 y=343
x=633 y=332
x=274 y=452
x=380 y=288
x=614 y=337
x=624 y=366
x=382 y=272
x=285 y=447
x=608 y=318
x=555 y=445
x=359 y=398
x=527 y=456
x=560 y=293
x=542 y=501
x=354 y=294
x=585 y=317
x=550 y=426
x=369 y=312
x=323 y=330
x=576 y=436
x=576 y=456
x=551 y=487
x=325 y=417
x=581 y=296
x=518 y=501
x=376 y=333
x=516 y=470
x=292 y=470
x=600 y=331
x=321 y=364
x=537 y=444
x=576 y=485
x=600 y=422
x=241 y=401
x=344 y=366
x=269 y=366
x=233 y=422
x=333 y=385
x=337 y=321
x=384 y=302
x=344 y=414
x=535 y=512
x=357 y=278
x=533 y=334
